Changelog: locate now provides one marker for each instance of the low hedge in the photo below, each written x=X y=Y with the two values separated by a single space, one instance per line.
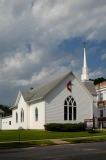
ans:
x=67 y=127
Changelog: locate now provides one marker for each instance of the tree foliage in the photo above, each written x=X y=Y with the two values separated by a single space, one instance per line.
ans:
x=98 y=80
x=6 y=109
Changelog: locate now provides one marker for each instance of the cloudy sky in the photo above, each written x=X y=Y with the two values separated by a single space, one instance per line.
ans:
x=43 y=39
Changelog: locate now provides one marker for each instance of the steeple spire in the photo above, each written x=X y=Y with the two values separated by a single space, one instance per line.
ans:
x=84 y=75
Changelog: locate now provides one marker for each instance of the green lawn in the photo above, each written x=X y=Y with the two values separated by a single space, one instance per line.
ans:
x=84 y=140
x=41 y=135
x=26 y=144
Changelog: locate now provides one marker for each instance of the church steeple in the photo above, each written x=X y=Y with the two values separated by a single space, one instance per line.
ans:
x=84 y=75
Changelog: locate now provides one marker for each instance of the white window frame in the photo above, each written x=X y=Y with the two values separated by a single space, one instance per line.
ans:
x=22 y=115
x=36 y=114
x=70 y=109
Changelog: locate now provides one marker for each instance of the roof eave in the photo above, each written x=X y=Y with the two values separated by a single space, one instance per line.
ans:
x=35 y=99
x=58 y=83
x=13 y=107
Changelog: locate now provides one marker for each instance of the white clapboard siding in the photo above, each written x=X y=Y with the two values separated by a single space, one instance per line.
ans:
x=14 y=125
x=55 y=102
x=41 y=115
x=7 y=123
x=21 y=105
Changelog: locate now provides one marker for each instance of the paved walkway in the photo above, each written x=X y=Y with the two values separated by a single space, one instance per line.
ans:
x=56 y=141
x=59 y=141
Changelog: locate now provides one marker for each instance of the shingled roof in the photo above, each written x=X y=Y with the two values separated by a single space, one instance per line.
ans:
x=90 y=86
x=42 y=91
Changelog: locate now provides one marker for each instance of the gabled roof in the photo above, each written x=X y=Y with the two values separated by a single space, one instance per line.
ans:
x=90 y=86
x=41 y=92
x=16 y=102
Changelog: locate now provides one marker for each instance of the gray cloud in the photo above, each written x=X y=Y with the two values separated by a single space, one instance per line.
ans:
x=31 y=32
x=103 y=56
x=100 y=72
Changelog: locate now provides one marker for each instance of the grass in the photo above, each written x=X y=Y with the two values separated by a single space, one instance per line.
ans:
x=88 y=139
x=30 y=138
x=25 y=135
x=25 y=144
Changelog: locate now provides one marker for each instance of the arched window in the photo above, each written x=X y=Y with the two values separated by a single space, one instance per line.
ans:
x=36 y=114
x=22 y=115
x=70 y=109
x=16 y=117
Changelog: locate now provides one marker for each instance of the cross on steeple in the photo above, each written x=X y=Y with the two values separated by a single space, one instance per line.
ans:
x=84 y=43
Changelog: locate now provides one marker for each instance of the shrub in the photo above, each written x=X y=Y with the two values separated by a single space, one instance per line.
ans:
x=67 y=127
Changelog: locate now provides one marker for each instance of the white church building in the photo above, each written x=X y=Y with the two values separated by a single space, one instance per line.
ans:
x=66 y=99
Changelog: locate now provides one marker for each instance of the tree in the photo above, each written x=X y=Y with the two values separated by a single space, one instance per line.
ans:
x=6 y=109
x=99 y=80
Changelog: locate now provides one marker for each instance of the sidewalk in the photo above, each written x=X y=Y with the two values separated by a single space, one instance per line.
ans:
x=56 y=141
x=59 y=141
